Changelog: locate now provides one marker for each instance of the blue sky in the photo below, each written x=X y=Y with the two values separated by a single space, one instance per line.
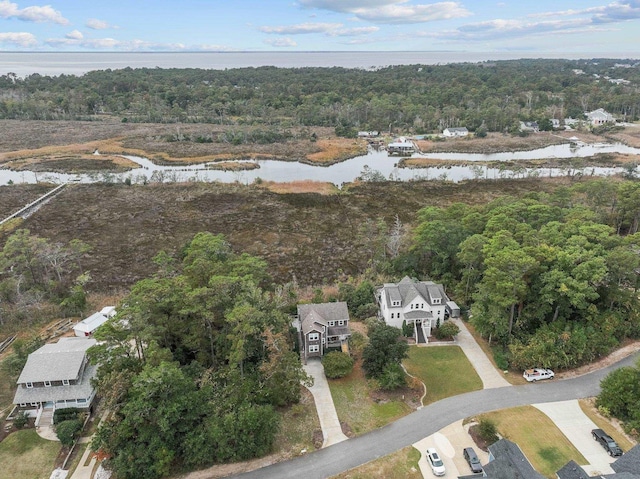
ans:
x=320 y=25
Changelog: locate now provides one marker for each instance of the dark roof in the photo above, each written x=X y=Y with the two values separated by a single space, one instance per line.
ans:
x=572 y=470
x=628 y=462
x=509 y=462
x=620 y=475
x=321 y=313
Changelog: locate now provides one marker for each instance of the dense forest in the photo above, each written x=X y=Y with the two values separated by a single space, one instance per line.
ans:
x=550 y=279
x=420 y=98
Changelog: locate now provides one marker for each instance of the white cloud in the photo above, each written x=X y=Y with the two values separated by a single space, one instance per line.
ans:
x=392 y=11
x=95 y=24
x=22 y=39
x=329 y=29
x=74 y=35
x=113 y=44
x=281 y=42
x=35 y=14
x=302 y=28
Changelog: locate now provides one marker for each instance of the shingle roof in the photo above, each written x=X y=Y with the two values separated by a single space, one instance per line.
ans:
x=509 y=462
x=629 y=461
x=56 y=361
x=572 y=470
x=407 y=290
x=322 y=313
x=82 y=390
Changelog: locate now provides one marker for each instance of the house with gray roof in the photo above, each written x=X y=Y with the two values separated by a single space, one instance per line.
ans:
x=507 y=461
x=599 y=117
x=88 y=326
x=58 y=375
x=322 y=326
x=421 y=304
x=626 y=466
x=455 y=132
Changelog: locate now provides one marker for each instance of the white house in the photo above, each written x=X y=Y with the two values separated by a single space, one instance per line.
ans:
x=453 y=132
x=600 y=117
x=56 y=376
x=529 y=126
x=401 y=146
x=422 y=304
x=87 y=327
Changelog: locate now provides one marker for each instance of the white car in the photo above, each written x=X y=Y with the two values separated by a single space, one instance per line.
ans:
x=536 y=374
x=437 y=466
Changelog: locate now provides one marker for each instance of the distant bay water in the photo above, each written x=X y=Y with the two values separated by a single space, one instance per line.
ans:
x=78 y=63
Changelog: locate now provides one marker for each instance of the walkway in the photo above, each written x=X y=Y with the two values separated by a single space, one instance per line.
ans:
x=329 y=422
x=491 y=377
x=575 y=424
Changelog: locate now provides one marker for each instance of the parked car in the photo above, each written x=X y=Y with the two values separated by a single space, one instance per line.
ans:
x=536 y=374
x=437 y=466
x=472 y=459
x=607 y=442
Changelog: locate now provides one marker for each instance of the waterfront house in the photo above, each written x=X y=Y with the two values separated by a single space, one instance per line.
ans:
x=599 y=117
x=401 y=146
x=423 y=305
x=455 y=132
x=321 y=327
x=529 y=126
x=58 y=375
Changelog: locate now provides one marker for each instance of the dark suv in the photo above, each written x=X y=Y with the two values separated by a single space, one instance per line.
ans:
x=472 y=459
x=607 y=442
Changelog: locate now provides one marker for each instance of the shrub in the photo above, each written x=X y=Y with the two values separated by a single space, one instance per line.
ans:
x=501 y=358
x=21 y=420
x=407 y=329
x=68 y=431
x=488 y=431
x=392 y=377
x=447 y=330
x=357 y=342
x=65 y=414
x=385 y=347
x=372 y=323
x=337 y=364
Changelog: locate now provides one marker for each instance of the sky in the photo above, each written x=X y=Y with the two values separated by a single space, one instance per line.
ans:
x=320 y=25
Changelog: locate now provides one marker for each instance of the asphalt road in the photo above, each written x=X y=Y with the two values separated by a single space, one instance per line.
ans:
x=346 y=455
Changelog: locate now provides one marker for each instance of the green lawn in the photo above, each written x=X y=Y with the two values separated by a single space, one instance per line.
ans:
x=25 y=455
x=355 y=406
x=445 y=370
x=402 y=464
x=541 y=441
x=297 y=425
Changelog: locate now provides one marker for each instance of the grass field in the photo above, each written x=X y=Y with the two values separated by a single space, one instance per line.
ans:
x=540 y=440
x=24 y=455
x=399 y=465
x=445 y=370
x=297 y=425
x=356 y=407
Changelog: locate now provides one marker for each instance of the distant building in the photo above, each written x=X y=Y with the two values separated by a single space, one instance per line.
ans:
x=401 y=146
x=368 y=134
x=88 y=326
x=529 y=126
x=555 y=123
x=453 y=132
x=600 y=117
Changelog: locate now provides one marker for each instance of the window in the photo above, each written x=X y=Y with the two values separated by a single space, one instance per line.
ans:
x=29 y=385
x=35 y=404
x=47 y=384
x=65 y=382
x=332 y=323
x=314 y=348
x=314 y=336
x=422 y=305
x=341 y=322
x=411 y=305
x=81 y=400
x=391 y=315
x=23 y=404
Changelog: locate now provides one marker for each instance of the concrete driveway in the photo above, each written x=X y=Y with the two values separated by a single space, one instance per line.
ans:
x=575 y=424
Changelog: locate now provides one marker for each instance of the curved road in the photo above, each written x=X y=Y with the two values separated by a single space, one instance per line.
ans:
x=346 y=455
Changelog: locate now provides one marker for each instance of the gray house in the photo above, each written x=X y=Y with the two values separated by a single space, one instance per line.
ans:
x=507 y=461
x=56 y=376
x=322 y=326
x=626 y=466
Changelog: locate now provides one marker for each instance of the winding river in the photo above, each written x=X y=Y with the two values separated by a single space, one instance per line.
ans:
x=349 y=170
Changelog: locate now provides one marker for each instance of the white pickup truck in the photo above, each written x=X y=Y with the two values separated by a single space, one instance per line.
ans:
x=536 y=374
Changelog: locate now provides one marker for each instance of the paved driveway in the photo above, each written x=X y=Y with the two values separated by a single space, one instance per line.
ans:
x=575 y=424
x=429 y=420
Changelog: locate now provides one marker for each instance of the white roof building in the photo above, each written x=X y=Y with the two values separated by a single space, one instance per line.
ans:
x=87 y=327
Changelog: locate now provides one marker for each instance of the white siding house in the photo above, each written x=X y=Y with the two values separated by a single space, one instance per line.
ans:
x=600 y=117
x=422 y=304
x=453 y=132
